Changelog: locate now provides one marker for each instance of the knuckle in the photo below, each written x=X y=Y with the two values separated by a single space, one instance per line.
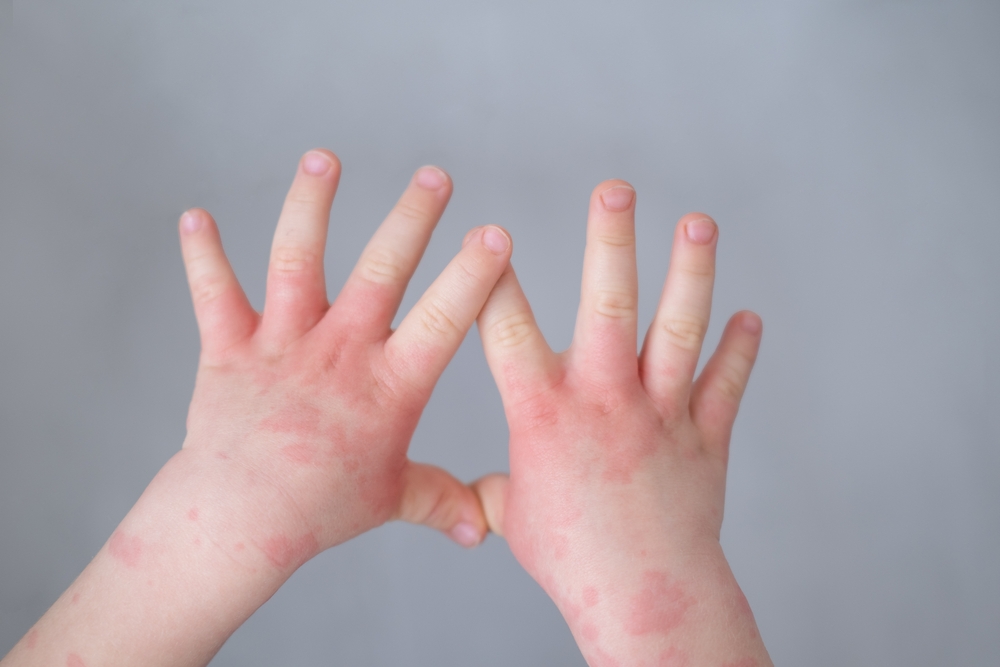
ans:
x=208 y=288
x=621 y=240
x=410 y=211
x=615 y=304
x=729 y=385
x=512 y=330
x=435 y=319
x=382 y=267
x=685 y=333
x=292 y=259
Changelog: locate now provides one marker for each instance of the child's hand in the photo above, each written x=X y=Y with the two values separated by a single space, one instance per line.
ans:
x=618 y=463
x=297 y=433
x=305 y=414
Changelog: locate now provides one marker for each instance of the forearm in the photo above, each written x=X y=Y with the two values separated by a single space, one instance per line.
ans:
x=175 y=580
x=664 y=612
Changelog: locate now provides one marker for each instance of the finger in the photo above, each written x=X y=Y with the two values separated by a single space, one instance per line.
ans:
x=605 y=336
x=715 y=398
x=515 y=348
x=429 y=335
x=492 y=492
x=376 y=286
x=224 y=314
x=433 y=498
x=670 y=352
x=296 y=287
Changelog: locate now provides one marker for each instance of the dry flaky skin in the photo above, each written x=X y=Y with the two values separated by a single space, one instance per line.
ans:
x=297 y=432
x=618 y=461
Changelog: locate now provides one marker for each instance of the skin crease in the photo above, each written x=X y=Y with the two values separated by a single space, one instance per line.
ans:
x=615 y=497
x=297 y=433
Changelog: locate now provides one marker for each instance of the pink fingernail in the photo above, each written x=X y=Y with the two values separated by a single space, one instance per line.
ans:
x=496 y=240
x=618 y=198
x=315 y=163
x=465 y=534
x=431 y=178
x=190 y=223
x=701 y=231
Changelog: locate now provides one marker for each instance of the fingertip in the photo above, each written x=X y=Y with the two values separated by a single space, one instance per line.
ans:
x=320 y=162
x=471 y=234
x=432 y=178
x=496 y=239
x=466 y=534
x=615 y=195
x=191 y=221
x=750 y=322
x=699 y=228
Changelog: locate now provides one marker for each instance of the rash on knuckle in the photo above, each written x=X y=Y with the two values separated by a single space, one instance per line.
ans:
x=292 y=259
x=684 y=333
x=615 y=304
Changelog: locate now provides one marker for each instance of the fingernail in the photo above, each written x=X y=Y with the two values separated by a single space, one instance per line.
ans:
x=190 y=223
x=618 y=198
x=496 y=240
x=315 y=163
x=701 y=231
x=431 y=178
x=465 y=534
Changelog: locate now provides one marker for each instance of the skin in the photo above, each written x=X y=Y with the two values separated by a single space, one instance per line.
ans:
x=297 y=432
x=618 y=460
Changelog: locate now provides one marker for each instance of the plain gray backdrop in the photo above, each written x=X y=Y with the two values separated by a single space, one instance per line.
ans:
x=850 y=152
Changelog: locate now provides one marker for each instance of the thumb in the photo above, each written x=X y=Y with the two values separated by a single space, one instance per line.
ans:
x=492 y=492
x=433 y=497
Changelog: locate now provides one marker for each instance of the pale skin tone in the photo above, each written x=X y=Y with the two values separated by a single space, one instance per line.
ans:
x=302 y=415
x=618 y=459
x=297 y=432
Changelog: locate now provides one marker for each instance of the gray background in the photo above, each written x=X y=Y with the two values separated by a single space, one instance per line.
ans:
x=849 y=150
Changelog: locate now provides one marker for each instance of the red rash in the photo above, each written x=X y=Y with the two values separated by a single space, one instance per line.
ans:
x=193 y=514
x=660 y=607
x=75 y=598
x=590 y=596
x=297 y=419
x=32 y=639
x=73 y=660
x=125 y=549
x=283 y=552
x=672 y=657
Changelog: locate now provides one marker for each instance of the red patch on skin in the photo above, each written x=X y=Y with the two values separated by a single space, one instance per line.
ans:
x=284 y=552
x=660 y=607
x=73 y=660
x=222 y=455
x=193 y=513
x=75 y=598
x=125 y=549
x=590 y=596
x=742 y=662
x=560 y=546
x=672 y=657
x=598 y=657
x=589 y=632
x=196 y=542
x=239 y=546
x=31 y=639
x=300 y=453
x=298 y=419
